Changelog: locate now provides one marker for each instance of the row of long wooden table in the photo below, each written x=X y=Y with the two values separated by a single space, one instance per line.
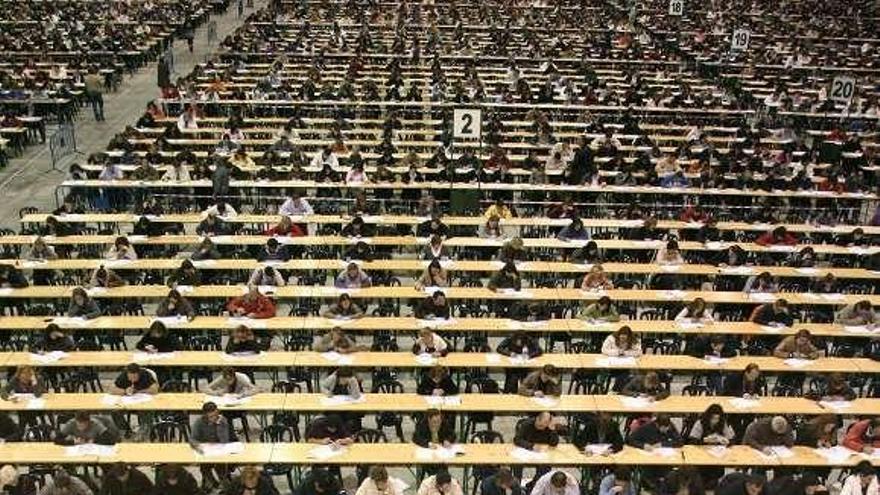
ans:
x=453 y=293
x=451 y=242
x=371 y=324
x=589 y=223
x=455 y=266
x=406 y=454
x=312 y=403
x=406 y=360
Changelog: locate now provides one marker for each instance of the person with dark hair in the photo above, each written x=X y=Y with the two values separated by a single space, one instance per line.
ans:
x=344 y=307
x=647 y=385
x=538 y=432
x=86 y=428
x=556 y=482
x=862 y=481
x=598 y=429
x=175 y=305
x=749 y=383
x=618 y=482
x=121 y=479
x=251 y=482
x=712 y=428
x=63 y=483
x=342 y=381
x=601 y=311
x=863 y=435
x=543 y=382
x=501 y=483
x=440 y=484
x=378 y=482
x=433 y=306
x=764 y=433
x=318 y=481
x=329 y=429
x=773 y=314
x=157 y=339
x=799 y=346
x=738 y=483
x=835 y=388
x=253 y=304
x=434 y=429
x=9 y=430
x=806 y=484
x=82 y=306
x=135 y=380
x=211 y=428
x=655 y=434
x=517 y=344
x=173 y=479
x=55 y=339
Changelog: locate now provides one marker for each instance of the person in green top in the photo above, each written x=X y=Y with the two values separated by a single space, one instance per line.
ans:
x=601 y=310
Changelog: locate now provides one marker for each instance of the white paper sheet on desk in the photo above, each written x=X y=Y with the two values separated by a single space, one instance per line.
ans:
x=782 y=452
x=90 y=449
x=431 y=289
x=438 y=401
x=715 y=245
x=493 y=358
x=807 y=270
x=797 y=362
x=858 y=250
x=597 y=323
x=737 y=270
x=141 y=357
x=715 y=360
x=94 y=291
x=616 y=361
x=743 y=403
x=204 y=263
x=169 y=321
x=227 y=400
x=670 y=268
x=324 y=452
x=771 y=328
x=780 y=248
x=835 y=455
x=338 y=400
x=33 y=263
x=496 y=264
x=856 y=329
x=717 y=451
x=116 y=263
x=5 y=291
x=335 y=357
x=522 y=454
x=598 y=448
x=577 y=242
x=664 y=452
x=534 y=324
x=434 y=322
x=833 y=297
x=837 y=405
x=425 y=359
x=546 y=401
x=688 y=324
x=515 y=293
x=762 y=296
x=671 y=294
x=184 y=289
x=635 y=402
x=242 y=357
x=70 y=321
x=518 y=360
x=220 y=449
x=234 y=321
x=49 y=357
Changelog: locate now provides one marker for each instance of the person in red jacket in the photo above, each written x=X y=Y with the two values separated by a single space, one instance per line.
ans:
x=777 y=237
x=285 y=227
x=863 y=435
x=252 y=305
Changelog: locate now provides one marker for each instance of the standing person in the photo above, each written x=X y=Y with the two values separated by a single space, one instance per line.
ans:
x=240 y=8
x=189 y=33
x=95 y=93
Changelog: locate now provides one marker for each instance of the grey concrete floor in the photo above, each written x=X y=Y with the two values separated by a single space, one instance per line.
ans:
x=29 y=179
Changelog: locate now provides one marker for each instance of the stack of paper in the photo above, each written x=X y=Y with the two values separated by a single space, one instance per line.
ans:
x=439 y=453
x=70 y=321
x=242 y=357
x=737 y=270
x=598 y=449
x=674 y=295
x=688 y=324
x=835 y=455
x=717 y=451
x=518 y=359
x=715 y=360
x=797 y=362
x=664 y=452
x=836 y=405
x=234 y=321
x=856 y=329
x=438 y=401
x=435 y=322
x=762 y=296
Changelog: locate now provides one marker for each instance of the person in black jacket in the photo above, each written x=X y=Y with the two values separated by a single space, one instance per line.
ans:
x=537 y=433
x=173 y=479
x=773 y=314
x=582 y=168
x=654 y=434
x=122 y=479
x=433 y=306
x=437 y=382
x=597 y=429
x=158 y=340
x=318 y=482
x=741 y=484
x=9 y=430
x=434 y=429
x=749 y=383
x=11 y=277
x=807 y=484
x=518 y=344
x=501 y=483
x=432 y=227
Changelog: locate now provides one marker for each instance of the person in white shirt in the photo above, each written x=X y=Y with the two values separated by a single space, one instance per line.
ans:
x=356 y=175
x=862 y=481
x=188 y=119
x=110 y=172
x=556 y=482
x=326 y=157
x=177 y=172
x=121 y=250
x=379 y=483
x=266 y=276
x=442 y=484
x=295 y=205
x=221 y=209
x=623 y=342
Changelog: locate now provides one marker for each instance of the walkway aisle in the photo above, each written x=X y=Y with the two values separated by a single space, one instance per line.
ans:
x=28 y=181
